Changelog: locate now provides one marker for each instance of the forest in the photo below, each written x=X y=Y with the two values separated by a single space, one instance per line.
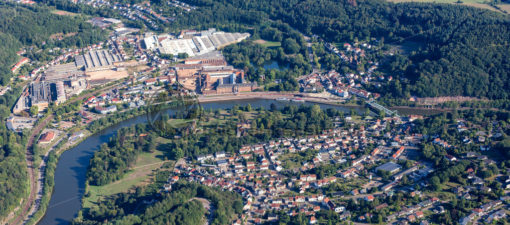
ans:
x=22 y=26
x=13 y=175
x=179 y=206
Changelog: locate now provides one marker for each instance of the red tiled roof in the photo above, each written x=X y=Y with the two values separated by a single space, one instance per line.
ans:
x=47 y=137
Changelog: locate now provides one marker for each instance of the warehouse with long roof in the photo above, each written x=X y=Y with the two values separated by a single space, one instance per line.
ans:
x=97 y=60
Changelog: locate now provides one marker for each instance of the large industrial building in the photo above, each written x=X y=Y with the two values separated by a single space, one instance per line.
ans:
x=97 y=60
x=193 y=43
x=41 y=94
x=63 y=72
x=210 y=74
x=62 y=81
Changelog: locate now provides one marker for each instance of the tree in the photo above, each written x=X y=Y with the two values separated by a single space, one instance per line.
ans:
x=178 y=153
x=381 y=114
x=436 y=183
x=290 y=46
x=34 y=110
x=4 y=112
x=182 y=55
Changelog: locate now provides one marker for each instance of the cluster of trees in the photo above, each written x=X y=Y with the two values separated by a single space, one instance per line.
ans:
x=254 y=57
x=33 y=25
x=179 y=206
x=114 y=159
x=100 y=124
x=446 y=174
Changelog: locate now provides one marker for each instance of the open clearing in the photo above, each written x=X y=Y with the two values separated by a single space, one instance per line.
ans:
x=268 y=44
x=64 y=13
x=145 y=164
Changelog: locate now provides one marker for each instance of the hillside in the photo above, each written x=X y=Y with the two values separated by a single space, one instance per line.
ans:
x=33 y=26
x=465 y=49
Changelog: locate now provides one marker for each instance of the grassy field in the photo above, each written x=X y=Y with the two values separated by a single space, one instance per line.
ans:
x=268 y=44
x=505 y=8
x=145 y=164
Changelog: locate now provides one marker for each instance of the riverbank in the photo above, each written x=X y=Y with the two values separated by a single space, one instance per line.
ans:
x=48 y=187
x=276 y=96
x=403 y=110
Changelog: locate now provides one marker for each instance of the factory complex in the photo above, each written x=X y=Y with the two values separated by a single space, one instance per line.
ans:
x=210 y=74
x=203 y=69
x=61 y=81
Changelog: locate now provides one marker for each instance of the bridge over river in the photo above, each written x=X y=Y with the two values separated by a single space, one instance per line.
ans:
x=377 y=106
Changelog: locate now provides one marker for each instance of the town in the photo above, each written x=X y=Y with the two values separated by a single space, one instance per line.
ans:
x=263 y=175
x=392 y=153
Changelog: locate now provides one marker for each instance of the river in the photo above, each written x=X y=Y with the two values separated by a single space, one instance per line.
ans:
x=72 y=166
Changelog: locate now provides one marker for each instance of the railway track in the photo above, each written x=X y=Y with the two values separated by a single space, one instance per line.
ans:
x=29 y=158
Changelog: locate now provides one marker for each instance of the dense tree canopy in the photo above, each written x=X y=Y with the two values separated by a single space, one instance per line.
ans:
x=33 y=25
x=13 y=175
x=180 y=206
